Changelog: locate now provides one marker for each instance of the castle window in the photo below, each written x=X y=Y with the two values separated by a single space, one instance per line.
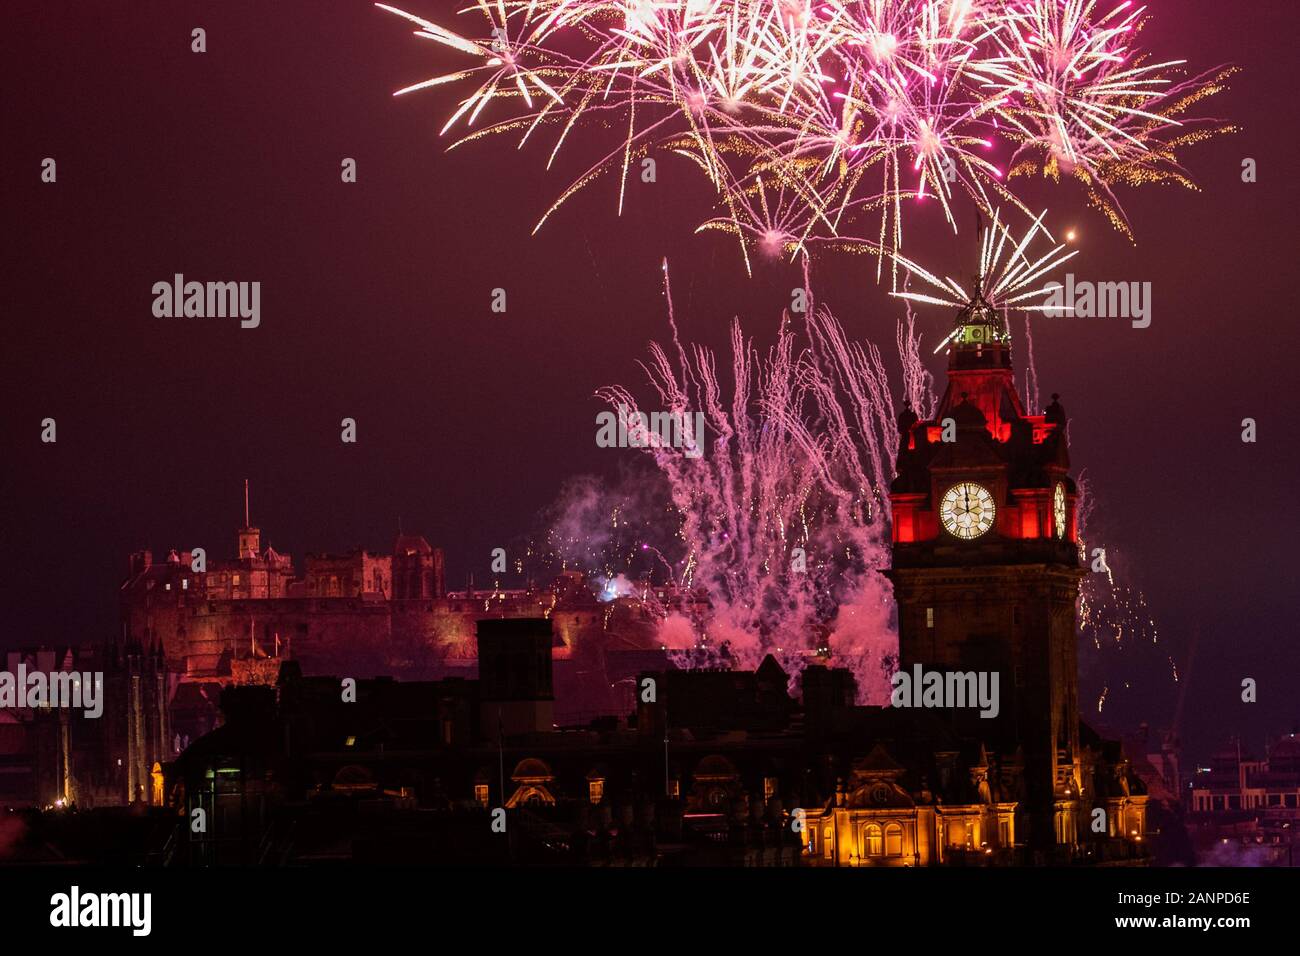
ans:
x=893 y=840
x=674 y=788
x=481 y=794
x=185 y=584
x=929 y=617
x=596 y=790
x=235 y=580
x=872 y=843
x=769 y=788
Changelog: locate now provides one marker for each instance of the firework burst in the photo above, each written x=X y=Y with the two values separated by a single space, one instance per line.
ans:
x=1008 y=278
x=821 y=123
x=783 y=520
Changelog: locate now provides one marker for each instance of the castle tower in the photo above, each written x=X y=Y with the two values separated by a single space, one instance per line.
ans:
x=418 y=569
x=986 y=565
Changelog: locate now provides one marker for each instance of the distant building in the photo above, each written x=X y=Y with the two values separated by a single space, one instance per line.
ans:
x=363 y=613
x=1246 y=810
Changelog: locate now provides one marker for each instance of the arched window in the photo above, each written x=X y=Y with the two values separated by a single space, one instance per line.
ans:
x=893 y=840
x=871 y=840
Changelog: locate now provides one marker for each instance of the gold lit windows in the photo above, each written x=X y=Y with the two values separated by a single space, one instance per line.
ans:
x=872 y=840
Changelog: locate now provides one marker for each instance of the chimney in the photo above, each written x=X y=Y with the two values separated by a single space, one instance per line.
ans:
x=516 y=693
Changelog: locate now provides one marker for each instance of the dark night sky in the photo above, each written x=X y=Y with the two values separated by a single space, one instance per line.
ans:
x=375 y=305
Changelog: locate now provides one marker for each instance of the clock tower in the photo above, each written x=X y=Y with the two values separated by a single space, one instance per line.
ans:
x=986 y=567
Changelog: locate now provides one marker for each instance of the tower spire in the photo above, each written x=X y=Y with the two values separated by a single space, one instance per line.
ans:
x=250 y=538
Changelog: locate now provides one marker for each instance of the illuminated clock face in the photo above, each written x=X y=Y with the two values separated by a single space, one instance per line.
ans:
x=967 y=510
x=1058 y=508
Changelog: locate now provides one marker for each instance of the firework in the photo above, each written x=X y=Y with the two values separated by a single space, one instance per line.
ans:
x=783 y=521
x=820 y=123
x=1086 y=103
x=1008 y=279
x=1120 y=641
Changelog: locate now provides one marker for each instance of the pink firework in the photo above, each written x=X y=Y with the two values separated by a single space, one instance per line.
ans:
x=784 y=516
x=818 y=123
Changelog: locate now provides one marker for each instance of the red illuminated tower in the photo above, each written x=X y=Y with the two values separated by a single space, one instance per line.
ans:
x=986 y=565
